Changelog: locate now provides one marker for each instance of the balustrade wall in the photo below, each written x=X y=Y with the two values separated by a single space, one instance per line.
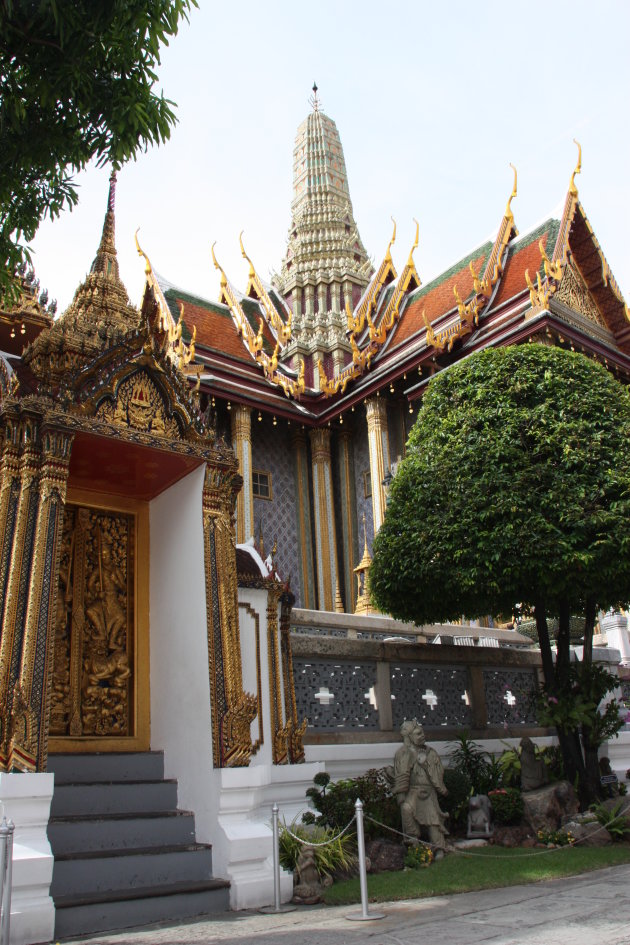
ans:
x=360 y=689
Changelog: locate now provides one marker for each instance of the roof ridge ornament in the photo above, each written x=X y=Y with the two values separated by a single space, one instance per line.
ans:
x=578 y=170
x=508 y=209
x=314 y=101
x=280 y=329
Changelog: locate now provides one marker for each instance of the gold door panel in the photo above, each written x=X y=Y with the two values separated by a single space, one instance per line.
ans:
x=99 y=698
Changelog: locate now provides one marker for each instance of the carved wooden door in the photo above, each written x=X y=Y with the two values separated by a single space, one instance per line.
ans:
x=93 y=687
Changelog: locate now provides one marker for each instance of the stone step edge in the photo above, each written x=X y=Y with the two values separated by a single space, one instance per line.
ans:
x=141 y=892
x=132 y=851
x=86 y=784
x=123 y=815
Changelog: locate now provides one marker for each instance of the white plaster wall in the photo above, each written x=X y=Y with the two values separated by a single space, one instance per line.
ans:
x=232 y=806
x=25 y=799
x=180 y=687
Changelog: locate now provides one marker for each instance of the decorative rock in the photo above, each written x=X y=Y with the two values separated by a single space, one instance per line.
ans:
x=588 y=833
x=510 y=836
x=384 y=855
x=545 y=808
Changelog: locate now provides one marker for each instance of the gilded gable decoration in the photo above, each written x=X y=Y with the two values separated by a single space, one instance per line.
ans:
x=484 y=285
x=574 y=293
x=138 y=405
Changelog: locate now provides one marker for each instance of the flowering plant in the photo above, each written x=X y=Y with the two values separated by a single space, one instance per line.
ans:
x=555 y=838
x=507 y=805
x=418 y=856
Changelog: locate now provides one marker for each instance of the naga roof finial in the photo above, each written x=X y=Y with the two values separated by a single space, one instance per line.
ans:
x=415 y=243
x=252 y=271
x=508 y=209
x=388 y=254
x=218 y=265
x=578 y=170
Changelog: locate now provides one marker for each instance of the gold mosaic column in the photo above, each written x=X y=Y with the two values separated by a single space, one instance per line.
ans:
x=22 y=510
x=233 y=709
x=28 y=746
x=9 y=494
x=348 y=516
x=304 y=525
x=294 y=728
x=325 y=537
x=242 y=444
x=378 y=444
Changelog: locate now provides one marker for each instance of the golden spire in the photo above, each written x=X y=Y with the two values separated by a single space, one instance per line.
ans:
x=578 y=170
x=106 y=261
x=338 y=601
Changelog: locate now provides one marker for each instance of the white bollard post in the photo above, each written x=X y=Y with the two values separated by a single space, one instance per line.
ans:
x=6 y=878
x=277 y=906
x=365 y=914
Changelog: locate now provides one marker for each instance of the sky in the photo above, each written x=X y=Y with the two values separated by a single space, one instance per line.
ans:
x=432 y=102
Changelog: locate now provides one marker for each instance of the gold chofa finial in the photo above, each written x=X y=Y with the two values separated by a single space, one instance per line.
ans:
x=141 y=252
x=508 y=209
x=415 y=243
x=388 y=254
x=252 y=271
x=217 y=265
x=578 y=170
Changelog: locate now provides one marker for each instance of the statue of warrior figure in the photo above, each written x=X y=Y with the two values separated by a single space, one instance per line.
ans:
x=418 y=778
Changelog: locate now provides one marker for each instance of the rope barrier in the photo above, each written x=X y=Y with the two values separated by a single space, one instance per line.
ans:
x=324 y=843
x=490 y=856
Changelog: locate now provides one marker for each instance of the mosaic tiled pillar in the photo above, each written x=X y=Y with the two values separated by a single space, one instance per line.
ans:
x=325 y=536
x=347 y=500
x=378 y=443
x=242 y=445
x=304 y=524
x=28 y=748
x=22 y=513
x=233 y=709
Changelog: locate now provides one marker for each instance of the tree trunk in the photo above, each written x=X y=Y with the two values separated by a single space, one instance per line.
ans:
x=563 y=659
x=592 y=789
x=545 y=646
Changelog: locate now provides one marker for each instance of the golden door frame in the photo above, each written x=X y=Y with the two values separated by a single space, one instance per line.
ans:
x=141 y=738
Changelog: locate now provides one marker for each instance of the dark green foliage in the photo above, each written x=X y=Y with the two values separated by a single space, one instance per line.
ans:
x=480 y=768
x=334 y=803
x=515 y=487
x=76 y=83
x=615 y=822
x=507 y=805
x=455 y=804
x=576 y=703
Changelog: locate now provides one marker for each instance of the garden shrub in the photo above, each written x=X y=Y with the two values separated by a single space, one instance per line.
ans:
x=334 y=803
x=507 y=805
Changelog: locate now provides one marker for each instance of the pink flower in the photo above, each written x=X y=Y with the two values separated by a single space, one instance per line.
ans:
x=552 y=699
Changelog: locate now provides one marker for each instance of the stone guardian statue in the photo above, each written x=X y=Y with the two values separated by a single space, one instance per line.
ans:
x=418 y=779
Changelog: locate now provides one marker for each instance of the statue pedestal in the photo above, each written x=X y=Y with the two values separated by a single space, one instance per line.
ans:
x=615 y=626
x=25 y=799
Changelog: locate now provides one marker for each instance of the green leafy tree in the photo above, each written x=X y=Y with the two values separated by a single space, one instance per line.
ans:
x=516 y=488
x=76 y=83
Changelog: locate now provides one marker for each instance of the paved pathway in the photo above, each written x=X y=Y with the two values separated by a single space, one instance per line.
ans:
x=592 y=909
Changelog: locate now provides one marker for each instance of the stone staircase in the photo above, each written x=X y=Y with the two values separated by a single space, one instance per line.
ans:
x=124 y=854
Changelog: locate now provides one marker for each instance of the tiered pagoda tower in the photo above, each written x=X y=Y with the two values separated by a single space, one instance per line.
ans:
x=326 y=265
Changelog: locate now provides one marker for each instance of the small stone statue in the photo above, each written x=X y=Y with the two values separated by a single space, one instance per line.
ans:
x=309 y=887
x=533 y=769
x=479 y=816
x=418 y=778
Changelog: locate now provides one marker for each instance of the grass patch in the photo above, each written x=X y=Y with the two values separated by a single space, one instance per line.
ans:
x=489 y=868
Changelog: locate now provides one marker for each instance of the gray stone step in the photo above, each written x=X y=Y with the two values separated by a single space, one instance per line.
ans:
x=123 y=909
x=87 y=833
x=116 y=797
x=134 y=870
x=117 y=766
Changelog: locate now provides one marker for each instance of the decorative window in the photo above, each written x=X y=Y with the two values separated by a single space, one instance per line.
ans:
x=367 y=484
x=261 y=484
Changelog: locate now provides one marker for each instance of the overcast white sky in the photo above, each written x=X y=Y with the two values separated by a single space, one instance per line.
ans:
x=432 y=102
